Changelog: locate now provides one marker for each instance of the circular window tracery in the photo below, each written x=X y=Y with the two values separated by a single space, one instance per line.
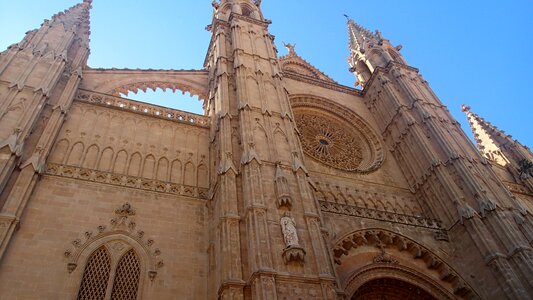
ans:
x=335 y=136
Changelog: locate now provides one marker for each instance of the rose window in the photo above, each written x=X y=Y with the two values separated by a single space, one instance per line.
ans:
x=339 y=139
x=327 y=141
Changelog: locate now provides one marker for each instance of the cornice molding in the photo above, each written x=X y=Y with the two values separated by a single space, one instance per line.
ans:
x=142 y=108
x=125 y=181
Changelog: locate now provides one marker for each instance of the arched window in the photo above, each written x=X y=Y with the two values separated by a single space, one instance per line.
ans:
x=102 y=269
x=96 y=276
x=246 y=11
x=126 y=281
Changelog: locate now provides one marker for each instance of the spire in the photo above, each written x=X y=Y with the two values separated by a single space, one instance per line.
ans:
x=76 y=17
x=358 y=36
x=368 y=51
x=494 y=143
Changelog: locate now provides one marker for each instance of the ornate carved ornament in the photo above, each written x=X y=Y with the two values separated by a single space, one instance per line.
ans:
x=122 y=224
x=153 y=85
x=143 y=108
x=384 y=257
x=126 y=181
x=362 y=212
x=336 y=136
x=383 y=238
x=292 y=62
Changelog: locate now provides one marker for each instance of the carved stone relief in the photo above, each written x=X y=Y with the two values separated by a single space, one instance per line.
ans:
x=122 y=224
x=335 y=136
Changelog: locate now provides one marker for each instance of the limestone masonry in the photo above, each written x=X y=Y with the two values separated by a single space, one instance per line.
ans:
x=290 y=186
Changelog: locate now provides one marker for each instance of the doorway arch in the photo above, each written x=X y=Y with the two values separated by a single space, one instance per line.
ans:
x=390 y=289
x=391 y=282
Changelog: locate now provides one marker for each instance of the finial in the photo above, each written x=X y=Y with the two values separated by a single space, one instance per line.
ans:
x=465 y=108
x=347 y=17
x=290 y=47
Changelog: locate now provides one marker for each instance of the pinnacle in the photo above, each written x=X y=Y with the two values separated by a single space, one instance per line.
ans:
x=487 y=136
x=75 y=13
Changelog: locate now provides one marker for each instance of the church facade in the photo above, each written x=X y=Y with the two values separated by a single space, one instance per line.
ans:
x=290 y=186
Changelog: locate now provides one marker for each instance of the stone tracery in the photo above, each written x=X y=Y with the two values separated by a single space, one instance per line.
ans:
x=335 y=136
x=327 y=141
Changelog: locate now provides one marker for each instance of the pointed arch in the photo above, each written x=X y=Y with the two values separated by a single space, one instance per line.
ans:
x=202 y=177
x=350 y=200
x=120 y=162
x=126 y=282
x=142 y=258
x=134 y=167
x=363 y=70
x=60 y=152
x=149 y=167
x=189 y=176
x=75 y=154
x=96 y=275
x=357 y=252
x=162 y=169
x=10 y=119
x=175 y=172
x=282 y=145
x=261 y=143
x=395 y=55
x=271 y=94
x=91 y=156
x=106 y=159
x=252 y=86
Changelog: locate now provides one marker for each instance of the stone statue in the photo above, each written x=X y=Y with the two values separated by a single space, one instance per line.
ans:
x=290 y=47
x=288 y=227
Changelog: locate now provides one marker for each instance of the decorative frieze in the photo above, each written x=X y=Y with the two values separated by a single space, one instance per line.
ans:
x=368 y=213
x=126 y=181
x=143 y=108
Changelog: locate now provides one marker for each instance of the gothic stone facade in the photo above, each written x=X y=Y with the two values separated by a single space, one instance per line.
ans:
x=291 y=186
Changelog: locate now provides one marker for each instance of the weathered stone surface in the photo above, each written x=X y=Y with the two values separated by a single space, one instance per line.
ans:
x=291 y=186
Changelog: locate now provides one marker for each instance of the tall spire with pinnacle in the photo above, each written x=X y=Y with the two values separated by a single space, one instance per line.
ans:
x=498 y=146
x=484 y=134
x=39 y=77
x=368 y=51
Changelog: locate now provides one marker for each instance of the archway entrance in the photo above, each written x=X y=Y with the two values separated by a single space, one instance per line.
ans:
x=390 y=289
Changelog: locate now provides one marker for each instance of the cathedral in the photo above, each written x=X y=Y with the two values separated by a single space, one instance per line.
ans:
x=289 y=186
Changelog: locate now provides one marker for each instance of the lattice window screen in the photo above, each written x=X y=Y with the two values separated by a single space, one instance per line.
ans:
x=127 y=278
x=96 y=275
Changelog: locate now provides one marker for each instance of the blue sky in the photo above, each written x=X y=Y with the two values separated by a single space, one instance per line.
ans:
x=474 y=52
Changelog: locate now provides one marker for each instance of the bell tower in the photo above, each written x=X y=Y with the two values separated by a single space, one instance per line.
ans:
x=451 y=180
x=266 y=229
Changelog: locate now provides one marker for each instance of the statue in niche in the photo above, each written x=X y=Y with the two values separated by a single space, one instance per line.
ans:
x=288 y=227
